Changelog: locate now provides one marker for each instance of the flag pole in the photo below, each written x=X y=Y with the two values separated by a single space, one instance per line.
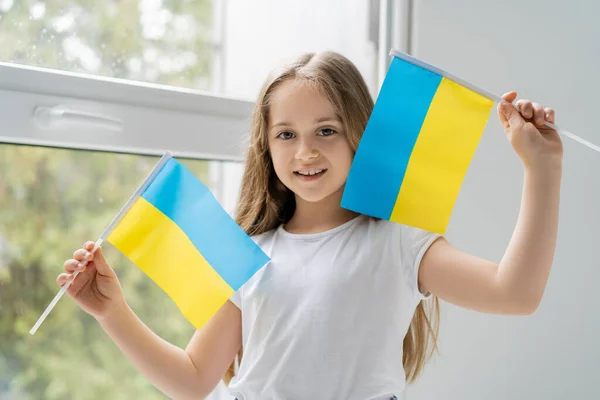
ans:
x=483 y=92
x=155 y=171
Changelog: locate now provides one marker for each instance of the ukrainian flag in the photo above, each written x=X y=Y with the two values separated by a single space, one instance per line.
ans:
x=179 y=235
x=417 y=146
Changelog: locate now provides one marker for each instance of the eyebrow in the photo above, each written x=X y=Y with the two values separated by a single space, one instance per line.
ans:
x=317 y=121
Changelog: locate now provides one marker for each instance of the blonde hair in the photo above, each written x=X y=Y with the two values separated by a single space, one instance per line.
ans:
x=265 y=202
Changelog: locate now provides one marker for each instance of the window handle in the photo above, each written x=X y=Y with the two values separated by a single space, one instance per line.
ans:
x=51 y=117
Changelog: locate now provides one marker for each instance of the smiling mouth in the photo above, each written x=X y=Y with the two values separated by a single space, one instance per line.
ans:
x=311 y=173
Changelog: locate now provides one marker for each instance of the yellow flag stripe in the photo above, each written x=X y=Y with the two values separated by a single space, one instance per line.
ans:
x=441 y=156
x=159 y=247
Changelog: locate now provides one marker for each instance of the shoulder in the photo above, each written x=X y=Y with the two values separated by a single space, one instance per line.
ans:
x=408 y=235
x=382 y=229
x=412 y=242
x=263 y=238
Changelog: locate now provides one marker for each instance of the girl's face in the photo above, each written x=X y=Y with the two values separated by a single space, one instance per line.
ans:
x=307 y=142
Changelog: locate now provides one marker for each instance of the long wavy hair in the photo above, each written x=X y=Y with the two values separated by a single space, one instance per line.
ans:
x=265 y=202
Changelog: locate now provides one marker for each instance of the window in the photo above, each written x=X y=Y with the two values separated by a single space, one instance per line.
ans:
x=91 y=94
x=157 y=41
x=52 y=201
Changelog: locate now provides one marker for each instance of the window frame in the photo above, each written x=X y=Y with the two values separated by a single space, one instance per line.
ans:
x=155 y=118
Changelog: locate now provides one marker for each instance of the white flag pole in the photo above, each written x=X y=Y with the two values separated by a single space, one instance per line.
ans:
x=483 y=92
x=157 y=168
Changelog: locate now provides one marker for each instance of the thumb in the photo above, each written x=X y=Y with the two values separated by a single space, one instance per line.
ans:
x=510 y=116
x=100 y=262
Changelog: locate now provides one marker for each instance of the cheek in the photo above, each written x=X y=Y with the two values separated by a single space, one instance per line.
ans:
x=278 y=159
x=347 y=162
x=343 y=155
x=348 y=153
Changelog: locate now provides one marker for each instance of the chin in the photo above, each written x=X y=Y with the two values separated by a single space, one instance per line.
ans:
x=317 y=196
x=312 y=197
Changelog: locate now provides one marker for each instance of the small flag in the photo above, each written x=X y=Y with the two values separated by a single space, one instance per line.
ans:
x=180 y=236
x=417 y=146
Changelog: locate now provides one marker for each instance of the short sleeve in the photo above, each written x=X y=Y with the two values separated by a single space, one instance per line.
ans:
x=414 y=243
x=236 y=298
x=238 y=295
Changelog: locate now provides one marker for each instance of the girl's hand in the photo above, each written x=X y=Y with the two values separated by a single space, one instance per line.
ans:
x=537 y=145
x=96 y=289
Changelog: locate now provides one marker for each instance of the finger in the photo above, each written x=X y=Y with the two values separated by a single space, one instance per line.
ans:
x=83 y=280
x=100 y=263
x=89 y=245
x=74 y=265
x=63 y=278
x=82 y=255
x=509 y=116
x=510 y=96
x=525 y=108
x=538 y=114
x=549 y=114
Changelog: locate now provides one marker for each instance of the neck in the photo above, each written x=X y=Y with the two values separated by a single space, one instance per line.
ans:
x=321 y=216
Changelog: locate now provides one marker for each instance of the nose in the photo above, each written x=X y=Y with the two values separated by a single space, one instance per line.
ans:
x=306 y=150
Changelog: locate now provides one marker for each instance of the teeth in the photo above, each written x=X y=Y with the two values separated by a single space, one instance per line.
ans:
x=309 y=173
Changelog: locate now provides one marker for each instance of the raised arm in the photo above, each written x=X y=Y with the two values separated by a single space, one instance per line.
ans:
x=515 y=285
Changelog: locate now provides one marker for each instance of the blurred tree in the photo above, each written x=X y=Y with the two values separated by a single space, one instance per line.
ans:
x=52 y=200
x=160 y=41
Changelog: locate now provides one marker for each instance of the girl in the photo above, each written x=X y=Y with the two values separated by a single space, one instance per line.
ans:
x=339 y=312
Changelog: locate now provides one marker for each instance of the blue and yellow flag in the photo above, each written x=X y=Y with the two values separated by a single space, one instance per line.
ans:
x=180 y=236
x=417 y=146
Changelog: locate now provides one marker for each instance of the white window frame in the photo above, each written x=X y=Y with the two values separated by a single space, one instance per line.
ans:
x=144 y=118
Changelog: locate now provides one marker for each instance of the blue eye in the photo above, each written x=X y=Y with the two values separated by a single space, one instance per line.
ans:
x=326 y=132
x=285 y=135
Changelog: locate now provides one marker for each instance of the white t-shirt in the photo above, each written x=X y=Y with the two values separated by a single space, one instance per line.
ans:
x=326 y=317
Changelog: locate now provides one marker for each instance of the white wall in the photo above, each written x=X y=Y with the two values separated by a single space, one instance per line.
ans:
x=261 y=34
x=549 y=51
